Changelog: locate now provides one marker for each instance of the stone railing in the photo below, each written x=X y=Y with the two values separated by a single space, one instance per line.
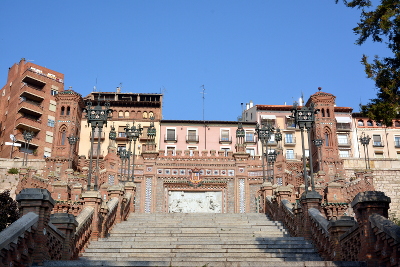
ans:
x=39 y=235
x=372 y=238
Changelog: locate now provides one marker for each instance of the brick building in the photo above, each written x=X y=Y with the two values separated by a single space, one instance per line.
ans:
x=28 y=103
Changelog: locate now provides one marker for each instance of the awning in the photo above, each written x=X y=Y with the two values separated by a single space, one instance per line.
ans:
x=343 y=119
x=268 y=117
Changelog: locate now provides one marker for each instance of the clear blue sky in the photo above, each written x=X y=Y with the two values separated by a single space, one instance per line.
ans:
x=268 y=51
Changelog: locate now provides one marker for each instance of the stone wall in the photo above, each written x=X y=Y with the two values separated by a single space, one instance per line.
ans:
x=386 y=178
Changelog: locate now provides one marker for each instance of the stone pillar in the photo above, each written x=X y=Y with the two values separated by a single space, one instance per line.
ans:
x=308 y=200
x=67 y=224
x=337 y=228
x=266 y=190
x=116 y=191
x=364 y=205
x=131 y=188
x=93 y=199
x=40 y=202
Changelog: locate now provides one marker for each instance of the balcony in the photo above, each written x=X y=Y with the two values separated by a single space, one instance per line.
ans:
x=290 y=141
x=95 y=154
x=192 y=138
x=250 y=139
x=97 y=135
x=397 y=143
x=343 y=127
x=290 y=125
x=292 y=156
x=29 y=123
x=32 y=92
x=30 y=107
x=170 y=138
x=34 y=82
x=377 y=144
x=225 y=140
x=344 y=142
x=121 y=136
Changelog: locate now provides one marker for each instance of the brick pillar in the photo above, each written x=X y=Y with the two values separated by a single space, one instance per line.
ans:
x=67 y=224
x=308 y=200
x=40 y=202
x=93 y=199
x=364 y=205
x=131 y=188
x=116 y=191
x=266 y=190
x=337 y=228
x=283 y=192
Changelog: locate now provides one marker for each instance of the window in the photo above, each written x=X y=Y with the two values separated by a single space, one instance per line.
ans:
x=379 y=154
x=192 y=136
x=326 y=139
x=120 y=114
x=397 y=124
x=250 y=151
x=53 y=105
x=279 y=181
x=126 y=114
x=63 y=137
x=49 y=137
x=370 y=123
x=342 y=139
x=62 y=110
x=68 y=111
x=121 y=147
x=53 y=92
x=271 y=139
x=323 y=112
x=377 y=140
x=224 y=135
x=360 y=123
x=249 y=136
x=378 y=123
x=344 y=153
x=397 y=141
x=121 y=131
x=290 y=123
x=151 y=114
x=144 y=115
x=170 y=135
x=225 y=149
x=47 y=152
x=289 y=154
x=51 y=121
x=328 y=112
x=289 y=139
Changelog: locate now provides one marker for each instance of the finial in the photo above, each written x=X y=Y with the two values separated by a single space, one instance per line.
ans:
x=319 y=88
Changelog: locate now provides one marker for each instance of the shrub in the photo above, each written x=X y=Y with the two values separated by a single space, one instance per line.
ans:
x=9 y=210
x=13 y=171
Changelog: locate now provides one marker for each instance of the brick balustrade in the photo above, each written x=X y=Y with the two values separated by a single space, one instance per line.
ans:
x=39 y=235
x=371 y=237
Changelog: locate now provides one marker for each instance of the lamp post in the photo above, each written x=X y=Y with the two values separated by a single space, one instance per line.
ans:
x=264 y=134
x=27 y=137
x=364 y=139
x=123 y=155
x=97 y=117
x=72 y=141
x=133 y=134
x=304 y=119
x=318 y=144
x=272 y=158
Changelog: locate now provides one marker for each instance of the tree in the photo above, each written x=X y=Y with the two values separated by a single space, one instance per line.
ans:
x=382 y=25
x=9 y=210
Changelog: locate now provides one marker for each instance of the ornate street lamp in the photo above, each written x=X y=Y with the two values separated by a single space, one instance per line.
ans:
x=240 y=134
x=123 y=155
x=264 y=135
x=272 y=159
x=72 y=141
x=304 y=119
x=318 y=144
x=97 y=117
x=28 y=136
x=364 y=139
x=113 y=134
x=133 y=134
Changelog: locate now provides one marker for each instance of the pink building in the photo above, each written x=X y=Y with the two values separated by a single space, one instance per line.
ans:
x=204 y=136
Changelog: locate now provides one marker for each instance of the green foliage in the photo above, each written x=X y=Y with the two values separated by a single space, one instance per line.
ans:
x=9 y=210
x=381 y=24
x=13 y=171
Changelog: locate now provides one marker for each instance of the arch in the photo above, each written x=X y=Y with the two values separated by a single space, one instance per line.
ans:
x=151 y=114
x=120 y=114
x=126 y=115
x=68 y=111
x=63 y=135
x=370 y=123
x=328 y=112
x=360 y=122
x=328 y=137
x=144 y=115
x=323 y=112
x=62 y=110
x=397 y=124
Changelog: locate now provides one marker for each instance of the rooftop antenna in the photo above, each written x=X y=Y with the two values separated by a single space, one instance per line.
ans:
x=203 y=92
x=95 y=87
x=119 y=88
x=163 y=91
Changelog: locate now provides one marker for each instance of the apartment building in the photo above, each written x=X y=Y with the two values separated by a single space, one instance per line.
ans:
x=28 y=104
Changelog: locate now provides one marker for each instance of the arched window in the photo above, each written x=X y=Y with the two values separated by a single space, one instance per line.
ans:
x=323 y=112
x=120 y=114
x=397 y=124
x=151 y=114
x=144 y=115
x=126 y=114
x=328 y=137
x=370 y=123
x=68 y=111
x=63 y=137
x=327 y=112
x=62 y=110
x=360 y=123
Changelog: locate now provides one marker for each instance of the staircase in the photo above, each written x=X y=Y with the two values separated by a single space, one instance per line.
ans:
x=193 y=239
